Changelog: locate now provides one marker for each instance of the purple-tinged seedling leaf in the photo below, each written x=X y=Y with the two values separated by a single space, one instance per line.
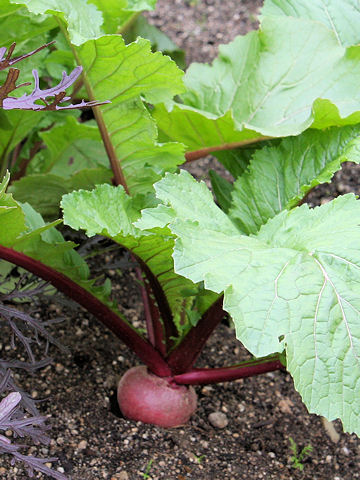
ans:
x=8 y=61
x=27 y=102
x=10 y=84
x=8 y=405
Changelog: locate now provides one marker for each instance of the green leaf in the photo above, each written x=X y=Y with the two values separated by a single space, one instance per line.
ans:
x=44 y=191
x=6 y=9
x=72 y=147
x=24 y=230
x=75 y=158
x=114 y=13
x=342 y=19
x=235 y=161
x=222 y=189
x=18 y=124
x=292 y=286
x=278 y=177
x=85 y=210
x=11 y=217
x=17 y=24
x=119 y=14
x=140 y=5
x=129 y=72
x=278 y=81
x=159 y=41
x=84 y=21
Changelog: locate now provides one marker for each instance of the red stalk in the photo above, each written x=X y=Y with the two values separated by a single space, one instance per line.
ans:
x=203 y=376
x=153 y=286
x=203 y=152
x=154 y=326
x=144 y=350
x=183 y=357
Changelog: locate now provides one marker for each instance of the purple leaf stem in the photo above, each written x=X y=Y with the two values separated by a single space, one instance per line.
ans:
x=204 y=376
x=144 y=350
x=8 y=61
x=27 y=102
x=153 y=287
x=183 y=357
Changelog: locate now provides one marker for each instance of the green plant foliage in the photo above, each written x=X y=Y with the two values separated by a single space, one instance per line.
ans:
x=279 y=177
x=342 y=21
x=159 y=41
x=24 y=230
x=131 y=130
x=289 y=274
x=289 y=287
x=14 y=128
x=44 y=191
x=84 y=20
x=17 y=23
x=278 y=81
x=84 y=210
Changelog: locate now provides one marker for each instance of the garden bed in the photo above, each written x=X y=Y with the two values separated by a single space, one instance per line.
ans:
x=260 y=414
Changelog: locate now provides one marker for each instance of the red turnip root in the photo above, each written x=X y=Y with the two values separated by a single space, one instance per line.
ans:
x=151 y=399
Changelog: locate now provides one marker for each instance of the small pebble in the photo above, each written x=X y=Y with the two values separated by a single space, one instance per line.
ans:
x=120 y=476
x=218 y=419
x=82 y=445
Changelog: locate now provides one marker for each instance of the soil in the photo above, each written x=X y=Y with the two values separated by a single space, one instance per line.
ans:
x=89 y=436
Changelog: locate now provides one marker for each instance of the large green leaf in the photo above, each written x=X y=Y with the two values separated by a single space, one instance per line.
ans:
x=294 y=286
x=23 y=229
x=341 y=17
x=140 y=5
x=17 y=24
x=84 y=20
x=129 y=72
x=85 y=210
x=278 y=81
x=159 y=40
x=15 y=126
x=278 y=177
x=75 y=158
x=114 y=13
x=44 y=191
x=72 y=147
x=119 y=14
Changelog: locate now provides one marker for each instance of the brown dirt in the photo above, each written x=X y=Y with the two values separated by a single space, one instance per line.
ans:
x=89 y=437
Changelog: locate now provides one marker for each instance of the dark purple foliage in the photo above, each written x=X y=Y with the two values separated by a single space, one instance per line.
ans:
x=18 y=412
x=13 y=418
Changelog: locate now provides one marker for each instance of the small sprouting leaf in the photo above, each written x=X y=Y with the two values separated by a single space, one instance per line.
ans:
x=8 y=405
x=27 y=102
x=7 y=61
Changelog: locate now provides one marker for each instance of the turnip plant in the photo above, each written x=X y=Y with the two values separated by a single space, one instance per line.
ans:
x=280 y=109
